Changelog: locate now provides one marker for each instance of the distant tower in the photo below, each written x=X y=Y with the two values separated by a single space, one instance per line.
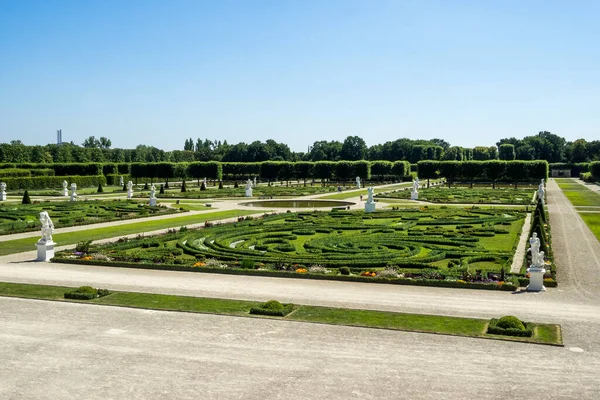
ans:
x=59 y=136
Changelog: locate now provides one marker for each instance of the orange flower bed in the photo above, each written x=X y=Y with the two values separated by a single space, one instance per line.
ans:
x=200 y=264
x=368 y=273
x=87 y=258
x=301 y=270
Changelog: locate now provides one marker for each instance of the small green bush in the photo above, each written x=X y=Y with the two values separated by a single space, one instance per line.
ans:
x=220 y=184
x=510 y=322
x=83 y=247
x=82 y=293
x=247 y=264
x=146 y=186
x=273 y=308
x=161 y=190
x=183 y=188
x=345 y=271
x=100 y=189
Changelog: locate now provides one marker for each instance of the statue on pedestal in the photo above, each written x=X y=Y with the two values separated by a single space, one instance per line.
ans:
x=65 y=190
x=73 y=191
x=414 y=194
x=534 y=249
x=370 y=204
x=121 y=183
x=248 y=188
x=129 y=190
x=537 y=269
x=47 y=227
x=358 y=182
x=2 y=191
x=153 y=195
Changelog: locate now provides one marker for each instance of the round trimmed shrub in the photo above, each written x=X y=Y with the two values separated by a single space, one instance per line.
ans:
x=272 y=305
x=345 y=271
x=510 y=322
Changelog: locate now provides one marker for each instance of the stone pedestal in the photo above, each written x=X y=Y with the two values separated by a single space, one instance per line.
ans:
x=370 y=206
x=73 y=197
x=536 y=279
x=129 y=194
x=65 y=192
x=3 y=196
x=45 y=250
x=153 y=202
x=414 y=195
x=249 y=192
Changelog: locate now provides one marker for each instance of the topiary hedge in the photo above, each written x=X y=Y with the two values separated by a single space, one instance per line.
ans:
x=44 y=182
x=509 y=326
x=86 y=293
x=273 y=308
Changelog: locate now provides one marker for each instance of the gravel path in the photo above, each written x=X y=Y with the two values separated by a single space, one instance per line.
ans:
x=517 y=262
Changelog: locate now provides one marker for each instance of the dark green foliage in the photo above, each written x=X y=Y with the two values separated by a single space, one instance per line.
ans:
x=345 y=271
x=235 y=185
x=220 y=184
x=146 y=187
x=595 y=170
x=26 y=199
x=82 y=293
x=44 y=182
x=83 y=247
x=510 y=321
x=162 y=189
x=100 y=189
x=183 y=189
x=203 y=186
x=273 y=308
x=124 y=187
x=509 y=326
x=166 y=184
x=247 y=264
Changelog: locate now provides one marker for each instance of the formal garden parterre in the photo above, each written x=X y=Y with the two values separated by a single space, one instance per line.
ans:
x=454 y=247
x=25 y=217
x=459 y=195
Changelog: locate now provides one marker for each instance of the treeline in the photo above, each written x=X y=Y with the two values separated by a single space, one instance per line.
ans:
x=543 y=146
x=484 y=171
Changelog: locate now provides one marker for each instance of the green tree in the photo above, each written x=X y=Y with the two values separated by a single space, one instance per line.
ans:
x=354 y=149
x=507 y=151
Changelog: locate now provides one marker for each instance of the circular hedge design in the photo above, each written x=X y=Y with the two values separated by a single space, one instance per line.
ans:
x=409 y=238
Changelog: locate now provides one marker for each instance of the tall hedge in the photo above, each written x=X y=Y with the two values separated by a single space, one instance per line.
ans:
x=595 y=170
x=45 y=182
x=79 y=169
x=208 y=170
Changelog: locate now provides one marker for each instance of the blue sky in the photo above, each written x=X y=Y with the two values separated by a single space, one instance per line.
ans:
x=158 y=72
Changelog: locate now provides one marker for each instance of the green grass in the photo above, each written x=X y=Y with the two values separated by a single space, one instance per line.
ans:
x=578 y=194
x=592 y=220
x=26 y=244
x=470 y=327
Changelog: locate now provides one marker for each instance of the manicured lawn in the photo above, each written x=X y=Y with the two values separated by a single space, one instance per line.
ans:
x=26 y=244
x=443 y=194
x=577 y=194
x=592 y=220
x=470 y=327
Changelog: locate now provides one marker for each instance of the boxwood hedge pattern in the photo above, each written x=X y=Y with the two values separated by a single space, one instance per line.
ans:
x=25 y=217
x=412 y=241
x=468 y=196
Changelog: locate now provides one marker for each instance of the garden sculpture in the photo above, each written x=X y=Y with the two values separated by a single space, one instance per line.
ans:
x=47 y=226
x=129 y=190
x=2 y=191
x=65 y=190
x=541 y=192
x=73 y=191
x=415 y=185
x=358 y=182
x=153 y=191
x=370 y=195
x=249 y=184
x=121 y=183
x=254 y=182
x=534 y=249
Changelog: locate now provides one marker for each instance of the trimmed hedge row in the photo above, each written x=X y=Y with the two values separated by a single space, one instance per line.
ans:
x=595 y=170
x=484 y=171
x=494 y=329
x=44 y=182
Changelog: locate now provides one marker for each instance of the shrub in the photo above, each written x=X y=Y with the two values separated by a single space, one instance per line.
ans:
x=247 y=264
x=272 y=308
x=26 y=199
x=345 y=271
x=146 y=186
x=510 y=322
x=235 y=185
x=83 y=247
x=100 y=189
x=161 y=190
x=82 y=293
x=521 y=330
x=220 y=184
x=183 y=189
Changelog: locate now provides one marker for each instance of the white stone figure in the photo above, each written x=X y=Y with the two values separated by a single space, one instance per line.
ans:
x=414 y=194
x=65 y=190
x=370 y=204
x=129 y=190
x=536 y=270
x=73 y=191
x=248 y=188
x=2 y=191
x=534 y=249
x=358 y=182
x=541 y=192
x=45 y=246
x=153 y=195
x=204 y=183
x=121 y=182
x=254 y=183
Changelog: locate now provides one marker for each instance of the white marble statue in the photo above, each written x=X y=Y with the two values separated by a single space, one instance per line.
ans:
x=73 y=191
x=541 y=192
x=129 y=190
x=414 y=193
x=248 y=192
x=121 y=182
x=534 y=249
x=65 y=191
x=358 y=182
x=47 y=226
x=2 y=191
x=370 y=204
x=153 y=191
x=254 y=183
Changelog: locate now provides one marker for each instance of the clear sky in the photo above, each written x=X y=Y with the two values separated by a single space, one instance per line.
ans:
x=158 y=72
